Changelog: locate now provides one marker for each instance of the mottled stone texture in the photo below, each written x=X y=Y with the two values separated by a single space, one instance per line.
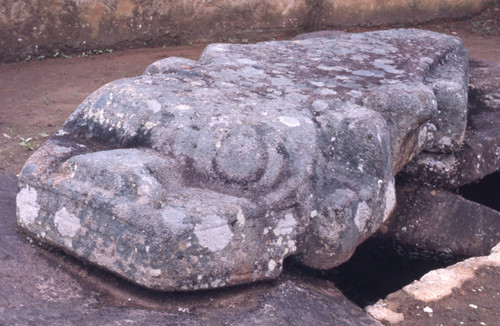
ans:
x=46 y=287
x=430 y=214
x=207 y=174
x=480 y=155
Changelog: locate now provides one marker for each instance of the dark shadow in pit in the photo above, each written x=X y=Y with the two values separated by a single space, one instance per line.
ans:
x=377 y=268
x=485 y=191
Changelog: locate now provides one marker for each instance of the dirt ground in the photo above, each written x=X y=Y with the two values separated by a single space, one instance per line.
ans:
x=36 y=98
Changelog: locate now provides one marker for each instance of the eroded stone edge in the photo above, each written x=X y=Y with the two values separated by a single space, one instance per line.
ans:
x=435 y=285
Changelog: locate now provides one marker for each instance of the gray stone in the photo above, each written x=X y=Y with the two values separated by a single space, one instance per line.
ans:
x=484 y=84
x=46 y=287
x=480 y=154
x=204 y=174
x=442 y=222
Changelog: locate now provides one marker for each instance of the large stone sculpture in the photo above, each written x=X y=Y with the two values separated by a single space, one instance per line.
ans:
x=204 y=174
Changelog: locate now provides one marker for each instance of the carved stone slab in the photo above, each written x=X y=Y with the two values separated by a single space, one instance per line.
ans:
x=204 y=174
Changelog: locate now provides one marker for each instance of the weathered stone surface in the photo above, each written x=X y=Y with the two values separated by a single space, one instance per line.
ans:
x=480 y=155
x=440 y=221
x=484 y=84
x=207 y=174
x=43 y=287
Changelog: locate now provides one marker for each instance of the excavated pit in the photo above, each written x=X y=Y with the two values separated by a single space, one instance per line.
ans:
x=484 y=191
x=381 y=266
x=378 y=268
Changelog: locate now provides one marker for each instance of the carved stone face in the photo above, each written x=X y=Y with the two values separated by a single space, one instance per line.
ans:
x=207 y=174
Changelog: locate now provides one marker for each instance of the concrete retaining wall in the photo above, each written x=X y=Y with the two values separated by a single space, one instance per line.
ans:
x=42 y=27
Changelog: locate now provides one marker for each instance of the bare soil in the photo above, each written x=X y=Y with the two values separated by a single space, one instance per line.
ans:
x=37 y=97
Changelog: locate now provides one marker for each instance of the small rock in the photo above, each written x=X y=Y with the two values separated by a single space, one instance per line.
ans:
x=428 y=310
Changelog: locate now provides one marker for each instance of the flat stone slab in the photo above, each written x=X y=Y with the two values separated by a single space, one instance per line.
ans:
x=461 y=294
x=205 y=174
x=442 y=222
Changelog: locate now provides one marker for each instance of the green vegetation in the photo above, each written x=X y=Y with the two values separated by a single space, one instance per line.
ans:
x=46 y=99
x=61 y=54
x=86 y=54
x=27 y=143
